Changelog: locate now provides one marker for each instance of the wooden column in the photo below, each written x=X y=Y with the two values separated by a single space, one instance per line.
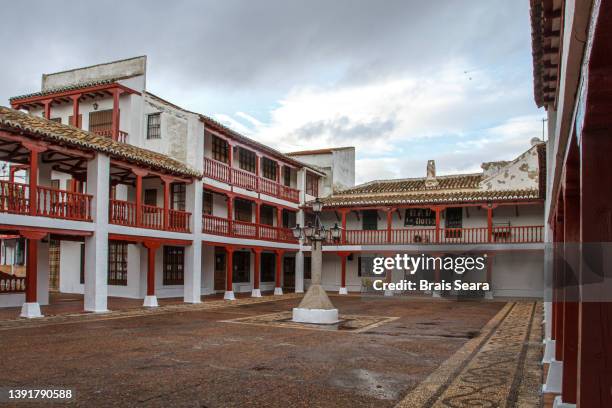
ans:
x=343 y=213
x=595 y=314
x=47 y=105
x=230 y=268
x=75 y=110
x=166 y=181
x=151 y=248
x=139 y=173
x=279 y=217
x=257 y=218
x=31 y=295
x=279 y=268
x=489 y=224
x=437 y=210
x=257 y=268
x=343 y=257
x=389 y=224
x=115 y=117
x=34 y=149
x=571 y=235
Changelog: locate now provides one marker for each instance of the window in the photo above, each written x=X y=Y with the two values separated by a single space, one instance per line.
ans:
x=420 y=217
x=150 y=197
x=117 y=263
x=269 y=168
x=154 y=126
x=101 y=122
x=242 y=210
x=289 y=219
x=207 y=203
x=307 y=268
x=220 y=149
x=174 y=264
x=268 y=267
x=19 y=257
x=453 y=219
x=177 y=196
x=369 y=220
x=266 y=215
x=246 y=160
x=242 y=267
x=365 y=267
x=287 y=176
x=312 y=184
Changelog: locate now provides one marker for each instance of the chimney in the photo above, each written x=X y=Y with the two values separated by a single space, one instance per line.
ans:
x=431 y=181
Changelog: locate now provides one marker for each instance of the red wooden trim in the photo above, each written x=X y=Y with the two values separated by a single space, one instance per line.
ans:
x=97 y=88
x=430 y=205
x=6 y=227
x=75 y=109
x=140 y=239
x=115 y=116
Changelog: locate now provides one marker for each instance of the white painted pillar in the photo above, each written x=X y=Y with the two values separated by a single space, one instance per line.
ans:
x=193 y=253
x=96 y=246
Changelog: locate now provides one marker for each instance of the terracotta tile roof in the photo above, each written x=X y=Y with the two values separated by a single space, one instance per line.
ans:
x=459 y=181
x=57 y=133
x=318 y=151
x=430 y=197
x=64 y=89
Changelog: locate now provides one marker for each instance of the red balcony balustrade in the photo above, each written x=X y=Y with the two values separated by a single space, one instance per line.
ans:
x=124 y=213
x=249 y=181
x=241 y=229
x=123 y=136
x=51 y=202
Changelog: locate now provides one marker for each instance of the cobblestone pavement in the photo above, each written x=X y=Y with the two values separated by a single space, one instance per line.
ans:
x=197 y=355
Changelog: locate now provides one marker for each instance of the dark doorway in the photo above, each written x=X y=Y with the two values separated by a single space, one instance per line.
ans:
x=220 y=258
x=242 y=267
x=289 y=273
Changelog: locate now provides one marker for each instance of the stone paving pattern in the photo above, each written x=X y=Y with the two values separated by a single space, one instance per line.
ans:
x=190 y=355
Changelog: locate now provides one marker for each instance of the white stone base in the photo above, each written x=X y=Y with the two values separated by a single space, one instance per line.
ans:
x=560 y=404
x=278 y=291
x=150 y=301
x=229 y=295
x=30 y=310
x=549 y=352
x=554 y=378
x=436 y=294
x=488 y=295
x=256 y=293
x=343 y=291
x=316 y=316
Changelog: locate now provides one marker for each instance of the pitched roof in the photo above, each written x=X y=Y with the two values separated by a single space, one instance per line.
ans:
x=459 y=181
x=64 y=89
x=318 y=151
x=57 y=133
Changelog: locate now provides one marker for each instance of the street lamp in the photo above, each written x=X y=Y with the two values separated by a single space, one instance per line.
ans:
x=316 y=307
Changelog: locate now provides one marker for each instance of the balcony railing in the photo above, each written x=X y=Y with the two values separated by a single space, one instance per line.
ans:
x=11 y=283
x=123 y=136
x=249 y=181
x=480 y=235
x=240 y=229
x=124 y=213
x=51 y=202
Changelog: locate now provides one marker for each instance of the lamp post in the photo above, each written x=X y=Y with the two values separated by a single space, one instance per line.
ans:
x=316 y=307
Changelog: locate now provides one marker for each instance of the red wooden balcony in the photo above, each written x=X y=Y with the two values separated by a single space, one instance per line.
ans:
x=503 y=234
x=51 y=202
x=249 y=181
x=124 y=213
x=240 y=229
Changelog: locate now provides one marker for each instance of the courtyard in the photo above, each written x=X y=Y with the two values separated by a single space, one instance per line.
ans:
x=392 y=351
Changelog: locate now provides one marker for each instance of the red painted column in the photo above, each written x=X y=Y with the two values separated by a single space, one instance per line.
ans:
x=279 y=217
x=115 y=118
x=257 y=218
x=571 y=235
x=489 y=224
x=139 y=175
x=389 y=224
x=151 y=248
x=75 y=110
x=230 y=267
x=437 y=211
x=343 y=256
x=279 y=268
x=343 y=214
x=47 y=104
x=31 y=271
x=256 y=268
x=595 y=314
x=166 y=182
x=34 y=149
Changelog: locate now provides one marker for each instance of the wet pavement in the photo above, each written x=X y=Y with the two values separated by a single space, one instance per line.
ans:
x=197 y=357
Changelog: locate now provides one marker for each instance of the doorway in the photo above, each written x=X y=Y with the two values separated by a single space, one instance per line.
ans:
x=289 y=273
x=220 y=259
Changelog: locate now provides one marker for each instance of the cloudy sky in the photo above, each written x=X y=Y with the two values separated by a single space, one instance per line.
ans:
x=403 y=81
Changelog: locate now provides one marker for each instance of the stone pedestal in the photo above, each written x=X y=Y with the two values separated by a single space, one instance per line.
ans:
x=30 y=310
x=150 y=301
